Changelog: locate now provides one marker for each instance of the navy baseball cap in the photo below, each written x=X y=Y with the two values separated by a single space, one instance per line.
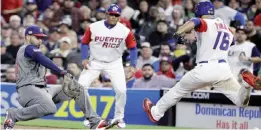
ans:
x=35 y=30
x=241 y=28
x=113 y=9
x=204 y=8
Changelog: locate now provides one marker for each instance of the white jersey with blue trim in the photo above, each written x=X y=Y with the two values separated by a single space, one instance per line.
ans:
x=235 y=52
x=213 y=40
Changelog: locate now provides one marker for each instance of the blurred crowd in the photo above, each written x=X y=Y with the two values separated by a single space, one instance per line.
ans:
x=161 y=62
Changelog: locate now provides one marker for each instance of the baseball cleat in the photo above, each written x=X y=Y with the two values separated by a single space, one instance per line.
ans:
x=102 y=125
x=111 y=123
x=8 y=123
x=121 y=124
x=147 y=105
x=86 y=123
x=252 y=80
x=106 y=124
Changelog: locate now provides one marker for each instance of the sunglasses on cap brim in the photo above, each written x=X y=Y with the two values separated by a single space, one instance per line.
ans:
x=114 y=14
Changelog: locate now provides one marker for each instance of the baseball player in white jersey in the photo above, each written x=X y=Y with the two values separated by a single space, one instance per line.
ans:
x=243 y=54
x=213 y=41
x=104 y=41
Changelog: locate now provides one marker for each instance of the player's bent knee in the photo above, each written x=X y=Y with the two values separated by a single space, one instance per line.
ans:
x=48 y=108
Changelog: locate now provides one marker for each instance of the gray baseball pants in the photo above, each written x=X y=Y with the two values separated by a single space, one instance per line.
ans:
x=38 y=102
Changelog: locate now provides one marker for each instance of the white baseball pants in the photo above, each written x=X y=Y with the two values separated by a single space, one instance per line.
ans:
x=116 y=73
x=213 y=74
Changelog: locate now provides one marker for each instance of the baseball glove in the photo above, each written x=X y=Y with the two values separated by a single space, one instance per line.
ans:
x=179 y=39
x=70 y=86
x=252 y=80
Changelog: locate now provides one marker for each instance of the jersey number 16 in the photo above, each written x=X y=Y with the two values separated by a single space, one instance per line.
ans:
x=223 y=40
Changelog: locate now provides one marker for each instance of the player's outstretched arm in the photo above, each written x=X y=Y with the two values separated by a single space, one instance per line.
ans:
x=187 y=27
x=31 y=51
x=194 y=23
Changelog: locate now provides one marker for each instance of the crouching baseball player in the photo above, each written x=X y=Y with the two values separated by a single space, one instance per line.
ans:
x=37 y=99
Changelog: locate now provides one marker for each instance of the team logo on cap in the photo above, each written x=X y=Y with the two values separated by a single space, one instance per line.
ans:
x=41 y=30
x=210 y=11
x=30 y=32
x=114 y=8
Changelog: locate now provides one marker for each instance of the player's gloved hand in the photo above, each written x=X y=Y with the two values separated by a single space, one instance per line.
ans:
x=179 y=39
x=67 y=73
x=85 y=63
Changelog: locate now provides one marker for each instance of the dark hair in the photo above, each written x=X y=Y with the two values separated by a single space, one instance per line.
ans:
x=165 y=43
x=148 y=64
